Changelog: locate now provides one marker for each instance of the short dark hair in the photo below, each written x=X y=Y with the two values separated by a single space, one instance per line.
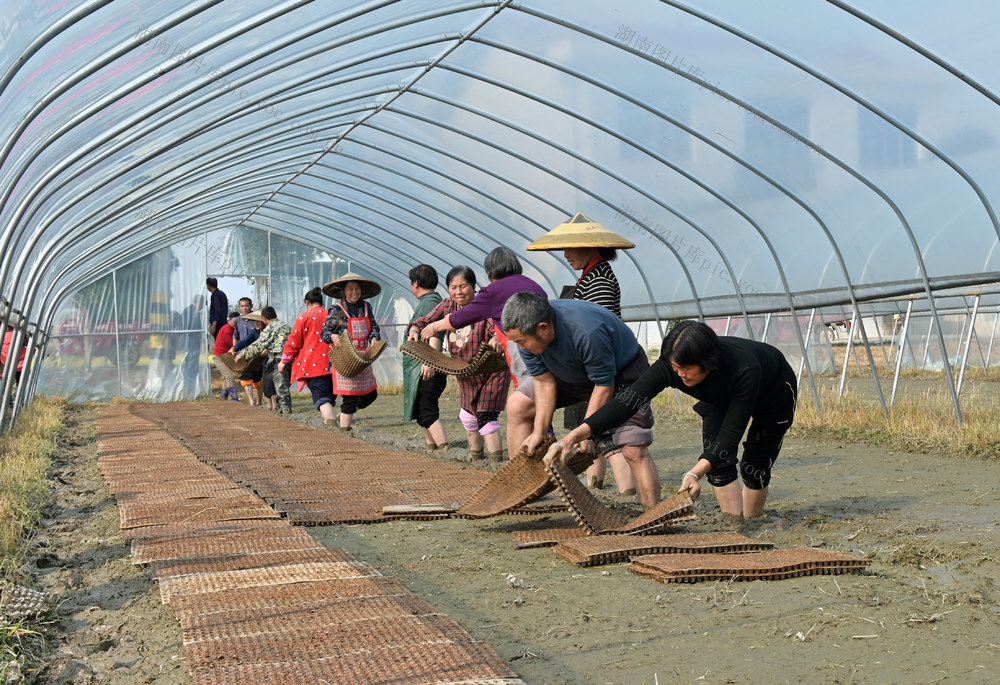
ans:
x=525 y=310
x=692 y=343
x=500 y=262
x=425 y=276
x=247 y=299
x=214 y=282
x=314 y=295
x=269 y=313
x=234 y=315
x=607 y=253
x=465 y=272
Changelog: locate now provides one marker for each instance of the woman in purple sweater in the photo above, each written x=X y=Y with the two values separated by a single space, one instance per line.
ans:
x=503 y=268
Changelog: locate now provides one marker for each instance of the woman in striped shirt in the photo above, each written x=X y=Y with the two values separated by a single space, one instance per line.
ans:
x=589 y=248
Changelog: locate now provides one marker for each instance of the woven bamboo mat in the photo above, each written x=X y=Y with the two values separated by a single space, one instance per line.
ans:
x=486 y=360
x=430 y=664
x=595 y=550
x=169 y=531
x=519 y=482
x=527 y=539
x=596 y=518
x=206 y=543
x=309 y=475
x=262 y=602
x=347 y=361
x=765 y=565
x=315 y=593
x=289 y=573
x=234 y=620
x=678 y=508
x=175 y=568
x=589 y=511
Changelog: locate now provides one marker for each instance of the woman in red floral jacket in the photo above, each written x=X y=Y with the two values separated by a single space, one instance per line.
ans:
x=310 y=355
x=483 y=397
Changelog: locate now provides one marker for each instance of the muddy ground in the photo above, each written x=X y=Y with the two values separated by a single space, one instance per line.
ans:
x=927 y=610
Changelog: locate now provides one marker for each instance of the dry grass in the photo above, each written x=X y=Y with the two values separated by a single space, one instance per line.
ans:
x=26 y=452
x=921 y=422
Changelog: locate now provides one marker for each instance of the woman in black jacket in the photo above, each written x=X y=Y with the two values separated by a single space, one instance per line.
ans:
x=738 y=382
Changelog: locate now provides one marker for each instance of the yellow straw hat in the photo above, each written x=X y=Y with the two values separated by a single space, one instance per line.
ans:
x=254 y=316
x=580 y=232
x=335 y=288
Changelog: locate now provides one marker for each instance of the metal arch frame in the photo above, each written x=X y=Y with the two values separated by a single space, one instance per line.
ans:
x=350 y=232
x=440 y=174
x=412 y=179
x=396 y=173
x=195 y=52
x=567 y=151
x=501 y=4
x=51 y=32
x=570 y=112
x=754 y=170
x=158 y=189
x=898 y=125
x=782 y=127
x=360 y=190
x=895 y=35
x=391 y=262
x=924 y=272
x=520 y=187
x=961 y=76
x=444 y=13
x=519 y=157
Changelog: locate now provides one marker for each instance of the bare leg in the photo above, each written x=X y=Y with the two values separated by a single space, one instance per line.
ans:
x=753 y=502
x=624 y=477
x=494 y=443
x=520 y=419
x=327 y=411
x=646 y=475
x=434 y=434
x=729 y=498
x=476 y=441
x=346 y=420
x=597 y=471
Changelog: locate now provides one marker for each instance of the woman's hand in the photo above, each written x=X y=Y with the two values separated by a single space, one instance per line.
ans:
x=426 y=372
x=238 y=357
x=691 y=484
x=335 y=340
x=281 y=367
x=562 y=448
x=428 y=332
x=413 y=334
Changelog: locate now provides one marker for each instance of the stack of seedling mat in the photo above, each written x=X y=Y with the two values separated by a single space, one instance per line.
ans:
x=672 y=556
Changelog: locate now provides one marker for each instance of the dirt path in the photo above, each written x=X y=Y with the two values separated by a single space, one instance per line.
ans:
x=928 y=609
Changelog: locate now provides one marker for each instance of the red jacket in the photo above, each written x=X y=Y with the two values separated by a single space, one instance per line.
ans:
x=305 y=347
x=5 y=350
x=223 y=339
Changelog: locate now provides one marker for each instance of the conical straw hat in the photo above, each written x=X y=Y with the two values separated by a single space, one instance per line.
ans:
x=580 y=232
x=335 y=288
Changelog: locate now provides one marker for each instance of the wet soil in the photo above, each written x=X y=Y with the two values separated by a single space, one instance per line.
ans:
x=926 y=610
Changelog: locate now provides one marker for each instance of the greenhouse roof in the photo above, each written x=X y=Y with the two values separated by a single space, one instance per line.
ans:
x=761 y=156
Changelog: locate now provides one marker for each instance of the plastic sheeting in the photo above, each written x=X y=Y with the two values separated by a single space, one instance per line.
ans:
x=141 y=331
x=764 y=157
